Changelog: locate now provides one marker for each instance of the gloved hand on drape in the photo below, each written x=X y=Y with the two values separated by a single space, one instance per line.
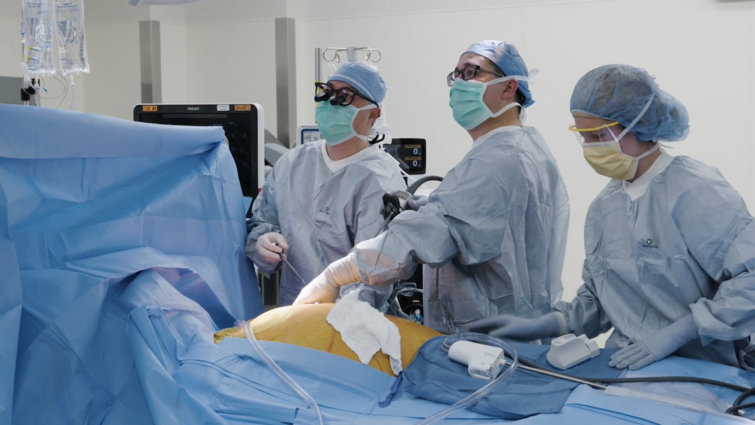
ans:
x=657 y=346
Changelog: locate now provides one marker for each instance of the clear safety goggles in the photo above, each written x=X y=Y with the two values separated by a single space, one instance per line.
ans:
x=602 y=134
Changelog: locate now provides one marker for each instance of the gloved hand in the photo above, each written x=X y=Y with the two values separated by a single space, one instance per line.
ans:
x=416 y=202
x=657 y=346
x=270 y=246
x=326 y=287
x=512 y=327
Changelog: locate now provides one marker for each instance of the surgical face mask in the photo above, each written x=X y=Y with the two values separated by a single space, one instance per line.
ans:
x=467 y=104
x=336 y=122
x=605 y=155
x=607 y=159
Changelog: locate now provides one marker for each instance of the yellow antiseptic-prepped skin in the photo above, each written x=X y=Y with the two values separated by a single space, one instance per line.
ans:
x=305 y=326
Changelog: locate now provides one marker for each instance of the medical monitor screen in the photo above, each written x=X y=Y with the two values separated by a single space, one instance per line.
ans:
x=238 y=121
x=410 y=153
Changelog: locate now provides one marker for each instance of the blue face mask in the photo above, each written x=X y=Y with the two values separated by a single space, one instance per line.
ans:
x=336 y=122
x=468 y=107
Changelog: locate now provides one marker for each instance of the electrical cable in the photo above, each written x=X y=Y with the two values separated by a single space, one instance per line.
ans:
x=734 y=410
x=270 y=363
x=414 y=186
x=484 y=391
x=595 y=382
x=744 y=396
x=737 y=406
x=647 y=379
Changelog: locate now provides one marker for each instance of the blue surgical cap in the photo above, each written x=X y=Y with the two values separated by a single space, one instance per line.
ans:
x=507 y=58
x=620 y=92
x=363 y=78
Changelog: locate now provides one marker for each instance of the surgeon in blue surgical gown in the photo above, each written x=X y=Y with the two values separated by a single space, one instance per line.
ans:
x=323 y=197
x=670 y=244
x=495 y=229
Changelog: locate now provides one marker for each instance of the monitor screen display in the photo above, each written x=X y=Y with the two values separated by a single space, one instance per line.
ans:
x=240 y=129
x=410 y=153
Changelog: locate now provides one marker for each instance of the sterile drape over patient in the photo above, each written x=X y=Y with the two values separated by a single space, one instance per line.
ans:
x=87 y=203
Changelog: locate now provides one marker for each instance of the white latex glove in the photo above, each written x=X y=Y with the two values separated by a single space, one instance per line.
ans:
x=270 y=246
x=326 y=287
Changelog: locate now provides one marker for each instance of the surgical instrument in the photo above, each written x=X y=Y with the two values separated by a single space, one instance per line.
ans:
x=284 y=257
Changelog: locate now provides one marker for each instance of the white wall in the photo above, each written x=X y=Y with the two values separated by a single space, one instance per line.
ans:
x=174 y=52
x=114 y=85
x=241 y=11
x=231 y=53
x=233 y=63
x=10 y=39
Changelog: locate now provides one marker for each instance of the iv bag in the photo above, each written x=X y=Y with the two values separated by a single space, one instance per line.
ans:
x=36 y=34
x=72 y=47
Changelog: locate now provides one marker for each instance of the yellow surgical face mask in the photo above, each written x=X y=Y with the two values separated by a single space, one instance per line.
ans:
x=602 y=149
x=608 y=160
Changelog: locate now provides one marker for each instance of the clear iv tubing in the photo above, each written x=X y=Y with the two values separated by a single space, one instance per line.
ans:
x=278 y=371
x=484 y=391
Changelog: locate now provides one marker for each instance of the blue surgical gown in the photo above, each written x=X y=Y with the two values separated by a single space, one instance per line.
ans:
x=321 y=213
x=494 y=230
x=685 y=246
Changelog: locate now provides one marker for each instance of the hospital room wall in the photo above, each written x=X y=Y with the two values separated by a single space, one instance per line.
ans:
x=113 y=47
x=174 y=70
x=701 y=51
x=232 y=62
x=10 y=39
x=114 y=85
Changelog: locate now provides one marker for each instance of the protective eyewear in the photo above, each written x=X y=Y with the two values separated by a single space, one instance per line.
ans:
x=343 y=97
x=468 y=73
x=603 y=134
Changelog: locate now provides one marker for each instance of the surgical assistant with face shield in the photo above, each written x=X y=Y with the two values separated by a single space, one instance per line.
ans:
x=495 y=229
x=669 y=243
x=323 y=197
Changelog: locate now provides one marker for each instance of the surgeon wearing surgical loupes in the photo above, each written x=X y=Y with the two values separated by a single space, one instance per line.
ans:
x=495 y=229
x=323 y=197
x=670 y=244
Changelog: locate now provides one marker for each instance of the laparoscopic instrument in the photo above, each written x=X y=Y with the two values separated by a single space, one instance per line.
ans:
x=284 y=257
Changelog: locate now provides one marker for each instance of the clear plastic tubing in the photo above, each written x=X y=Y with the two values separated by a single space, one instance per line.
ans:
x=278 y=371
x=484 y=391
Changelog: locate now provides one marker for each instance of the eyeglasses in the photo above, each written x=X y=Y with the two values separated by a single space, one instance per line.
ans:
x=601 y=134
x=343 y=97
x=467 y=73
